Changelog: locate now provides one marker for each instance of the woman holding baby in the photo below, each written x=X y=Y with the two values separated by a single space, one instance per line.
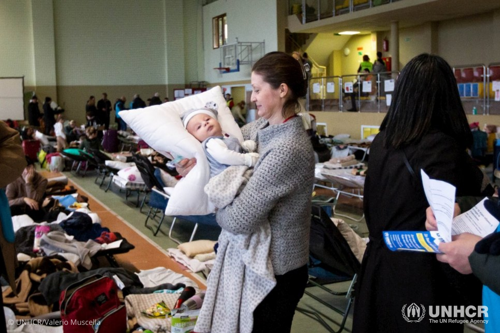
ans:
x=278 y=193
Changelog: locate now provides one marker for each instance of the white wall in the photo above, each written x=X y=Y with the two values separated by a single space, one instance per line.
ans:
x=249 y=21
x=16 y=40
x=193 y=41
x=113 y=42
x=469 y=40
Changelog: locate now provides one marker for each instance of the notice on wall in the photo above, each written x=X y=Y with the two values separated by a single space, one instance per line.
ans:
x=388 y=99
x=348 y=87
x=316 y=88
x=330 y=87
x=367 y=86
x=389 y=85
x=496 y=89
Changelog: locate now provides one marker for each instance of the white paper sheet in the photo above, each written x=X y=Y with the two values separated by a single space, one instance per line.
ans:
x=367 y=86
x=441 y=197
x=348 y=87
x=495 y=85
x=477 y=221
x=389 y=85
x=388 y=99
x=316 y=88
x=330 y=87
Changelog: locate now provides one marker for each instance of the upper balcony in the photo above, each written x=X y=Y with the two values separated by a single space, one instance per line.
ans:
x=321 y=16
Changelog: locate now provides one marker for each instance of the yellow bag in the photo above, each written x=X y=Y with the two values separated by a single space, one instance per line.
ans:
x=42 y=159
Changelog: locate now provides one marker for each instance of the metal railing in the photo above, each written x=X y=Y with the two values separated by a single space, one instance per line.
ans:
x=478 y=86
x=367 y=92
x=493 y=95
x=315 y=10
x=471 y=81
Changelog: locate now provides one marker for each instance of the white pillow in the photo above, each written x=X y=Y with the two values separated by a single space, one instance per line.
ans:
x=131 y=174
x=160 y=126
x=118 y=165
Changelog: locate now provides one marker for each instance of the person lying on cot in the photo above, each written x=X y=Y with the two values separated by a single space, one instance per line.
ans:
x=221 y=149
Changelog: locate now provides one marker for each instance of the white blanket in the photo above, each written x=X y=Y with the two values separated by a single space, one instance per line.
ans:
x=243 y=274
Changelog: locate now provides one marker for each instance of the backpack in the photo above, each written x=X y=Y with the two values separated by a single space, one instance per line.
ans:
x=93 y=305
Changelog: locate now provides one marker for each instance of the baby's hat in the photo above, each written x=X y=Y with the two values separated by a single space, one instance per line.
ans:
x=193 y=112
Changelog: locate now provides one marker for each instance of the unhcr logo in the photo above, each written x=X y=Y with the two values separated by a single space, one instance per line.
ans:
x=413 y=313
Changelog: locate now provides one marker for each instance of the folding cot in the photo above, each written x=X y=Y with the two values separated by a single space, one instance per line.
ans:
x=329 y=254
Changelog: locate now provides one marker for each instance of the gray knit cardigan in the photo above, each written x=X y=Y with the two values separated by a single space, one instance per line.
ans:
x=278 y=193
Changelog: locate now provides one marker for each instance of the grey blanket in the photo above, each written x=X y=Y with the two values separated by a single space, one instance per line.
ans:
x=243 y=274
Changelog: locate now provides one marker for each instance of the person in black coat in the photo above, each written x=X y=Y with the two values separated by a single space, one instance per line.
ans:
x=48 y=116
x=425 y=129
x=138 y=103
x=103 y=110
x=155 y=100
x=34 y=114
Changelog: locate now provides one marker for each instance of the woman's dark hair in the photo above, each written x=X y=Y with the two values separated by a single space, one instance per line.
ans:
x=48 y=99
x=425 y=98
x=277 y=68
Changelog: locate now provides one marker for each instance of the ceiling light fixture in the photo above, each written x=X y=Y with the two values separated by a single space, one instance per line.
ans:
x=349 y=33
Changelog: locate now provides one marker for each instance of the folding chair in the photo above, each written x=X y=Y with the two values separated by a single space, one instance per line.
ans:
x=330 y=253
x=103 y=171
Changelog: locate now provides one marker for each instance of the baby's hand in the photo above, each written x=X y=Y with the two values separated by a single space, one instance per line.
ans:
x=251 y=159
x=249 y=145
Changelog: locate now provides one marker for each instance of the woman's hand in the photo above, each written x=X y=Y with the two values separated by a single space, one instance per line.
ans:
x=456 y=253
x=29 y=174
x=431 y=223
x=31 y=203
x=185 y=165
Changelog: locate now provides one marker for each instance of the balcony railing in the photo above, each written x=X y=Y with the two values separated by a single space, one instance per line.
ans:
x=315 y=10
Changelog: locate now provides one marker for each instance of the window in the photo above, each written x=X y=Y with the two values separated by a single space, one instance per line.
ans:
x=219 y=30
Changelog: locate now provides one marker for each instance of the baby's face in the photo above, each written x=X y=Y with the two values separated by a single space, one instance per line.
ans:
x=203 y=126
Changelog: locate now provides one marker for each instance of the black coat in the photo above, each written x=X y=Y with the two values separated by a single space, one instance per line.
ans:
x=48 y=118
x=155 y=100
x=395 y=200
x=138 y=103
x=34 y=114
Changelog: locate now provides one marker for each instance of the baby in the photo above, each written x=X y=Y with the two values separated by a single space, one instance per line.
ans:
x=221 y=149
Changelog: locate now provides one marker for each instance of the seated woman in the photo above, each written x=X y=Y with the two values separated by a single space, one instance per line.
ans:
x=28 y=133
x=26 y=193
x=91 y=141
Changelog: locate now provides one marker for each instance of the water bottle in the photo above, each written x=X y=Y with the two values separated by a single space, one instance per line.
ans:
x=474 y=110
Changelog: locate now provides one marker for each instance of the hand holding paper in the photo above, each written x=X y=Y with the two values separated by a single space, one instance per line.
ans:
x=441 y=198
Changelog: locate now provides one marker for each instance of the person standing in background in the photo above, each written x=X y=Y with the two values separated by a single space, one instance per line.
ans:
x=91 y=112
x=48 y=116
x=103 y=110
x=120 y=106
x=60 y=134
x=137 y=102
x=365 y=64
x=155 y=100
x=229 y=101
x=379 y=64
x=34 y=114
x=238 y=113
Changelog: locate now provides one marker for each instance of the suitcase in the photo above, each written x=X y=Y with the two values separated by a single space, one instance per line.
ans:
x=93 y=305
x=110 y=141
x=31 y=148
